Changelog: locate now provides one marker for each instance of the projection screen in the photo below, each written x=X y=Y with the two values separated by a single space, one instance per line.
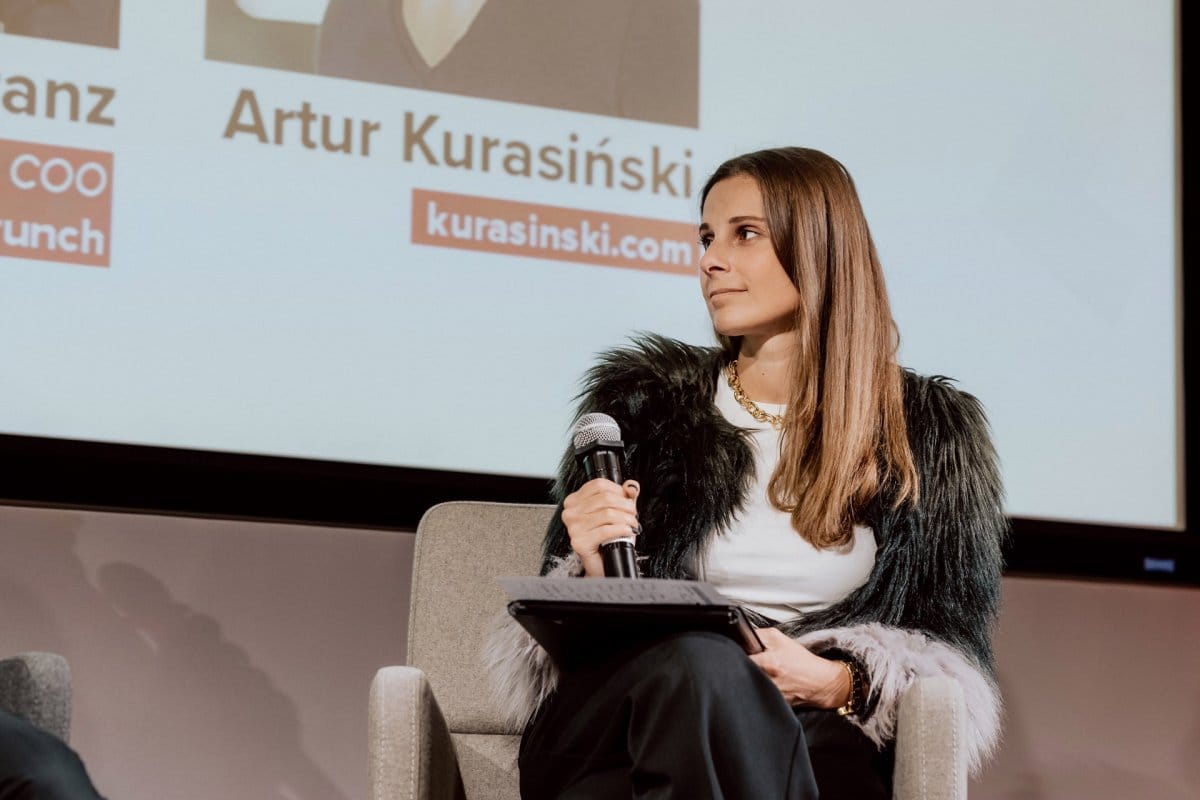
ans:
x=344 y=230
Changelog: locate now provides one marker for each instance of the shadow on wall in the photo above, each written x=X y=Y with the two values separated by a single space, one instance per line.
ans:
x=152 y=647
x=193 y=664
x=47 y=583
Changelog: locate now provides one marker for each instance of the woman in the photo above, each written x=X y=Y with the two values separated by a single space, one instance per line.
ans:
x=853 y=506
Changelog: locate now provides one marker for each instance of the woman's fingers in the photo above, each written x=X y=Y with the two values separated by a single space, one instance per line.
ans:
x=602 y=523
x=599 y=494
x=600 y=506
x=607 y=533
x=598 y=512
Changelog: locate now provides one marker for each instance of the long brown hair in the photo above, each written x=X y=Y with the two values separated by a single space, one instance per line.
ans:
x=844 y=432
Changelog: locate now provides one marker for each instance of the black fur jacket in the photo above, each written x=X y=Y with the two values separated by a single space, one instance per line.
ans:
x=930 y=601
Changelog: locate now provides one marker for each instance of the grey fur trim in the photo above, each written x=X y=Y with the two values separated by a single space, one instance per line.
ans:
x=521 y=672
x=569 y=566
x=894 y=658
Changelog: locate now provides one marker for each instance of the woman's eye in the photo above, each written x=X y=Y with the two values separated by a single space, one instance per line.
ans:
x=704 y=242
x=747 y=233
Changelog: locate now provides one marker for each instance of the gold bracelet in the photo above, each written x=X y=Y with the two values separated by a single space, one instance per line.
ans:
x=854 y=703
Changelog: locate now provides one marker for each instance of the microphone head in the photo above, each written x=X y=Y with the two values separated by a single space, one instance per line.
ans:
x=592 y=428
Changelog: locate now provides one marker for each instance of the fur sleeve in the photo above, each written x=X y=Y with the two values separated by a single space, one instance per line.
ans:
x=894 y=658
x=947 y=551
x=934 y=594
x=521 y=672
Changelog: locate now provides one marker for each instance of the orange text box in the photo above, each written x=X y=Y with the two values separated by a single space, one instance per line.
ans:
x=55 y=203
x=489 y=225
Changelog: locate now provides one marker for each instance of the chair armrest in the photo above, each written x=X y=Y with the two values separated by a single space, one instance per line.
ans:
x=37 y=686
x=931 y=764
x=411 y=753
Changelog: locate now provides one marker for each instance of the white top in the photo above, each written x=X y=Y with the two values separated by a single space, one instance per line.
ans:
x=761 y=561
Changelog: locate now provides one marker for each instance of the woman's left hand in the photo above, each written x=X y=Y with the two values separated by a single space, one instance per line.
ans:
x=804 y=678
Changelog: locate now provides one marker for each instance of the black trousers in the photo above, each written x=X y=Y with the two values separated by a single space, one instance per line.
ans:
x=36 y=765
x=691 y=717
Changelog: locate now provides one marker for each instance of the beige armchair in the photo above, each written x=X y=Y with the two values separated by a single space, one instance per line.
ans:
x=37 y=686
x=435 y=733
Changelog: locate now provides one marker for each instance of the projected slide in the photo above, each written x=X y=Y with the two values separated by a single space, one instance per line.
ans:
x=95 y=22
x=623 y=59
x=61 y=207
x=391 y=232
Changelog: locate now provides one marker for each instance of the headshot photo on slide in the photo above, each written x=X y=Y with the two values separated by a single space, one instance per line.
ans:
x=618 y=58
x=94 y=22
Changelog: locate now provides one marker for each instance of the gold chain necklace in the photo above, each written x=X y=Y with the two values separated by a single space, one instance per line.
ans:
x=739 y=394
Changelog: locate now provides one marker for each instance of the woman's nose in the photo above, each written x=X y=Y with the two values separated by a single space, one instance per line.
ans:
x=713 y=260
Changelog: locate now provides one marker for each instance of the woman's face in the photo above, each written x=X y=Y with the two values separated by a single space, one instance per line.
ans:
x=747 y=290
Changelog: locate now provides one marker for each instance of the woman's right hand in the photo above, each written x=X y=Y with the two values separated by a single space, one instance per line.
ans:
x=598 y=512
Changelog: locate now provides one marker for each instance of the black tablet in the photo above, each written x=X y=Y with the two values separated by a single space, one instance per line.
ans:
x=573 y=632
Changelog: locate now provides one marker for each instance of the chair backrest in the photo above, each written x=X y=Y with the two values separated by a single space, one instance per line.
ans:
x=461 y=547
x=37 y=686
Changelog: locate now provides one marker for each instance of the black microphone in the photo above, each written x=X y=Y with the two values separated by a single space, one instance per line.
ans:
x=598 y=446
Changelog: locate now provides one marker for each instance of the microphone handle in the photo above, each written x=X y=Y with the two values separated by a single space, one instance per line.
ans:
x=619 y=559
x=618 y=556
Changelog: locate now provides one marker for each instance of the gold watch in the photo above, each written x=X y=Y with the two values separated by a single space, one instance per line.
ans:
x=854 y=705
